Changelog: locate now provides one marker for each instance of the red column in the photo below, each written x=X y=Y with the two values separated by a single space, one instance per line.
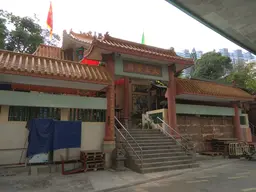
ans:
x=171 y=99
x=126 y=100
x=110 y=113
x=237 y=122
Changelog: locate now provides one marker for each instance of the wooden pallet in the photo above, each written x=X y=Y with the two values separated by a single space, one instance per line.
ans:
x=95 y=166
x=94 y=160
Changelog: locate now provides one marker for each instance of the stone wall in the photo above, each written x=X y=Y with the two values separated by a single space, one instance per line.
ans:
x=200 y=128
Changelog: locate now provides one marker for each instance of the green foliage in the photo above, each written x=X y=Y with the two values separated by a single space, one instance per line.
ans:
x=243 y=76
x=24 y=34
x=212 y=66
x=3 y=33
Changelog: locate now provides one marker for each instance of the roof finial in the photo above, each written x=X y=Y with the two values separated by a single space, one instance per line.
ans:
x=100 y=36
x=172 y=49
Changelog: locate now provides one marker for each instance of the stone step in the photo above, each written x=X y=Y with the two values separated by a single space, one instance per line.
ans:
x=158 y=159
x=169 y=167
x=171 y=143
x=141 y=130
x=143 y=141
x=141 y=138
x=158 y=155
x=152 y=151
x=151 y=135
x=154 y=147
x=167 y=163
x=148 y=135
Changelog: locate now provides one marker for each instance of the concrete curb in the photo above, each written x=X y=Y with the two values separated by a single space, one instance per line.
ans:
x=164 y=177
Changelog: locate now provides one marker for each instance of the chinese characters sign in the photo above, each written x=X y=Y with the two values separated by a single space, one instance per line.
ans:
x=145 y=69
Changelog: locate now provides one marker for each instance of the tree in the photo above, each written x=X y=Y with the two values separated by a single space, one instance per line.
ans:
x=212 y=66
x=24 y=34
x=3 y=33
x=244 y=76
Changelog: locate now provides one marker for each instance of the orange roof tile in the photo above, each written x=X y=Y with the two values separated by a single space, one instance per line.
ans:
x=196 y=87
x=127 y=47
x=45 y=67
x=49 y=51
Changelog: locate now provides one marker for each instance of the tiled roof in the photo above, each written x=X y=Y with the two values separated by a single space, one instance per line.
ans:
x=196 y=87
x=127 y=47
x=49 y=51
x=83 y=37
x=45 y=67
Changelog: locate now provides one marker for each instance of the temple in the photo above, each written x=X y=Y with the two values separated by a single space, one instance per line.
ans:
x=108 y=83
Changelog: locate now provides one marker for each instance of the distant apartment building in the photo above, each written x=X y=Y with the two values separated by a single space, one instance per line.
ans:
x=224 y=52
x=199 y=54
x=237 y=56
x=248 y=56
x=184 y=53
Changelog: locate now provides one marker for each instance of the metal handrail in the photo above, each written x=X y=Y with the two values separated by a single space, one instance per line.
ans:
x=253 y=127
x=186 y=140
x=166 y=132
x=128 y=132
x=128 y=144
x=173 y=129
x=141 y=151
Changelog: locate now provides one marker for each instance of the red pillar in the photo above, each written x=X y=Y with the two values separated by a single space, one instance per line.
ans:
x=237 y=122
x=126 y=100
x=110 y=113
x=171 y=99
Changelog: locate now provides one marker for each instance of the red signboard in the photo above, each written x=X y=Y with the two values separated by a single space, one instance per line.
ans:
x=145 y=69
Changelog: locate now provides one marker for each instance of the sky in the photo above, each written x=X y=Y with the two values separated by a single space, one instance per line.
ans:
x=164 y=25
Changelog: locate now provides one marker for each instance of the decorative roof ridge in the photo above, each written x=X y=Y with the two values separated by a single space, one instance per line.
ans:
x=88 y=34
x=212 y=81
x=73 y=37
x=44 y=57
x=107 y=37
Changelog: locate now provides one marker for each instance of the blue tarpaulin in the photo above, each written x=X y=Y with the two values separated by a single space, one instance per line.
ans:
x=40 y=139
x=67 y=134
x=47 y=135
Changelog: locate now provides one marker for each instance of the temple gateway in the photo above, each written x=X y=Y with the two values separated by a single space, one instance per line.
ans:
x=127 y=98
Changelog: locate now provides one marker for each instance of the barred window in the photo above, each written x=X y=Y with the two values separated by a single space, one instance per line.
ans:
x=87 y=115
x=23 y=113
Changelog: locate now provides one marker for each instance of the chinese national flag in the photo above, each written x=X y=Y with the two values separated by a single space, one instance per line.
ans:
x=49 y=20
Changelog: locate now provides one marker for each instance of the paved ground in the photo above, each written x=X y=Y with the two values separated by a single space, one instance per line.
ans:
x=238 y=176
x=102 y=180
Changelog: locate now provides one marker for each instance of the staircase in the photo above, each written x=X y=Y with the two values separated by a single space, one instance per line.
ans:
x=151 y=150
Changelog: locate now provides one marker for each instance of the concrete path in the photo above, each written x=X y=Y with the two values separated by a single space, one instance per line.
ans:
x=95 y=181
x=238 y=176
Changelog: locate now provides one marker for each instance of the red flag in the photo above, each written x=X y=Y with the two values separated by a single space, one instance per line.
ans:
x=49 y=20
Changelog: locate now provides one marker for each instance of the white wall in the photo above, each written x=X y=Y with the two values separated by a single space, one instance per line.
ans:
x=13 y=136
